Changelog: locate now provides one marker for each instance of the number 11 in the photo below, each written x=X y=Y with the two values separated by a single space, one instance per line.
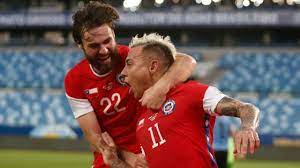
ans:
x=162 y=140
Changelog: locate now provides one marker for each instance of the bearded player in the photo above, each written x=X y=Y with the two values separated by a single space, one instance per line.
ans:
x=98 y=98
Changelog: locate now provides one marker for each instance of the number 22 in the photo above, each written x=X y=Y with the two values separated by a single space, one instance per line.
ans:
x=108 y=102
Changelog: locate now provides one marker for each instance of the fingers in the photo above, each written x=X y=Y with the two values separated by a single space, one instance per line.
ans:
x=152 y=98
x=107 y=138
x=251 y=143
x=152 y=103
x=237 y=143
x=257 y=141
x=102 y=145
x=244 y=141
x=141 y=162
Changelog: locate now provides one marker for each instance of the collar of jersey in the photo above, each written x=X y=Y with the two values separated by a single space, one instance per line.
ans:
x=103 y=75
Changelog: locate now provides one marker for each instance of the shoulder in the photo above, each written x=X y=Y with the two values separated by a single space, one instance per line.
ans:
x=123 y=50
x=192 y=87
x=75 y=76
x=79 y=69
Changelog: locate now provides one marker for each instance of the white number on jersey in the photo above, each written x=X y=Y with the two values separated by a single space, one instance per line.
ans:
x=162 y=140
x=108 y=102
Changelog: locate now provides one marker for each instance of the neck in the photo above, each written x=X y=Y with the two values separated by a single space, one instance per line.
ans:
x=156 y=77
x=101 y=70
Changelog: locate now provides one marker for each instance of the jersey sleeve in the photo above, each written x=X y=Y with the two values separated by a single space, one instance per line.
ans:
x=77 y=100
x=211 y=98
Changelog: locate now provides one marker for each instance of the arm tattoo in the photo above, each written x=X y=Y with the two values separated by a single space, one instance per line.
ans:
x=228 y=107
x=249 y=116
x=248 y=113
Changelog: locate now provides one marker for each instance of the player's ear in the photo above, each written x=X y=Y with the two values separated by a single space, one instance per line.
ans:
x=79 y=46
x=153 y=66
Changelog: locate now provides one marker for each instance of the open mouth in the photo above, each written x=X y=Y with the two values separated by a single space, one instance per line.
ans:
x=104 y=58
x=127 y=84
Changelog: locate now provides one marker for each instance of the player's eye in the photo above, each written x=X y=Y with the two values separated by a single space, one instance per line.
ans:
x=93 y=46
x=107 y=41
x=128 y=63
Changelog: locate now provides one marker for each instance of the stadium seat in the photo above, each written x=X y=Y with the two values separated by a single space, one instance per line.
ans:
x=34 y=68
x=260 y=72
x=33 y=108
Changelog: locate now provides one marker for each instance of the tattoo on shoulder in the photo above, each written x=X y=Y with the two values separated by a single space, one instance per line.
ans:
x=229 y=107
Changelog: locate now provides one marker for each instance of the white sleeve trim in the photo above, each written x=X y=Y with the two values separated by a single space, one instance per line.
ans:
x=79 y=107
x=211 y=99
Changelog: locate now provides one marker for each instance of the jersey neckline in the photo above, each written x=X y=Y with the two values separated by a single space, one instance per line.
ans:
x=101 y=76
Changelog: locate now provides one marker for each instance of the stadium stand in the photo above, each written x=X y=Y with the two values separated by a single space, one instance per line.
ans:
x=268 y=74
x=34 y=108
x=260 y=72
x=33 y=68
x=29 y=98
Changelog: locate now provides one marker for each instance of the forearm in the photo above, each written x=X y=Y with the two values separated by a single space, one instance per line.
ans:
x=179 y=72
x=249 y=115
x=91 y=129
x=247 y=136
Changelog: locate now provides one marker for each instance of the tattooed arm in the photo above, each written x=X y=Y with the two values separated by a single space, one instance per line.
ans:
x=247 y=136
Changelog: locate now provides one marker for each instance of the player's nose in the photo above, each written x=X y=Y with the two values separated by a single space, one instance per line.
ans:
x=103 y=50
x=124 y=71
x=124 y=75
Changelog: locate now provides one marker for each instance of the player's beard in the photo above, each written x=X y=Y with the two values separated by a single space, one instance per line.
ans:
x=101 y=67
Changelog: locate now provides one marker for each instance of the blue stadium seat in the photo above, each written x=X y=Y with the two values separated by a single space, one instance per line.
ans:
x=260 y=72
x=33 y=108
x=34 y=68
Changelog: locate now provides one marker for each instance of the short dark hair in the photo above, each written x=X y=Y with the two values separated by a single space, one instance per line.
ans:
x=91 y=15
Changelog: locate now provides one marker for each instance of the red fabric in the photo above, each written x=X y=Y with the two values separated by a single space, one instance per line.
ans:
x=111 y=102
x=183 y=141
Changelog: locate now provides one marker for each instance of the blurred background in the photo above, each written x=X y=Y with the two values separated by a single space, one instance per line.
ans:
x=249 y=49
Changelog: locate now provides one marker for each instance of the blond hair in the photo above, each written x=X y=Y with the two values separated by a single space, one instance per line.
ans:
x=153 y=38
x=154 y=42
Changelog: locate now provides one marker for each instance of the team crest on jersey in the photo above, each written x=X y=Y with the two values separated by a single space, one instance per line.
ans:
x=169 y=107
x=120 y=79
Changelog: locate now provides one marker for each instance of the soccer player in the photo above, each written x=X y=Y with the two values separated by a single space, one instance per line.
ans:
x=94 y=88
x=180 y=134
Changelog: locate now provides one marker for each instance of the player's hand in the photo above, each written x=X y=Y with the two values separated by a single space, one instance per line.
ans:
x=154 y=96
x=108 y=150
x=95 y=142
x=141 y=162
x=245 y=139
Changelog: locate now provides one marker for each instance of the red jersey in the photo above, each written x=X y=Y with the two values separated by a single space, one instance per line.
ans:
x=180 y=133
x=108 y=97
